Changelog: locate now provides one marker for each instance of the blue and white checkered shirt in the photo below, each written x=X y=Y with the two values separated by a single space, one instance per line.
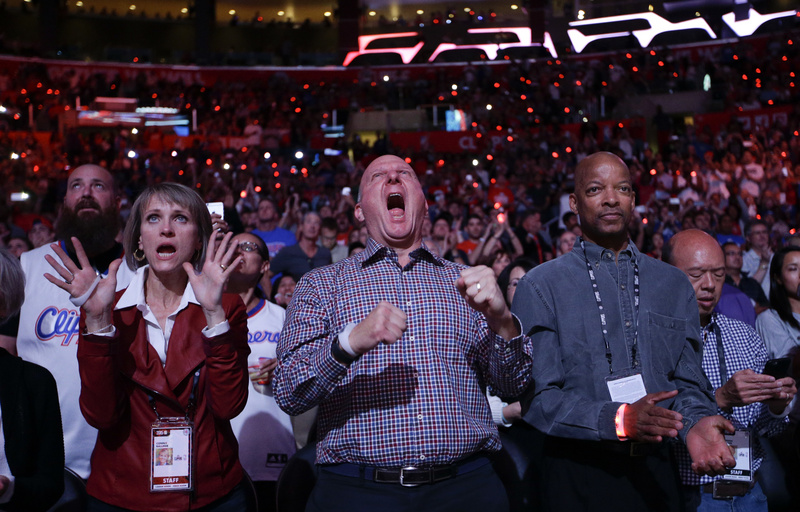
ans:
x=419 y=401
x=743 y=349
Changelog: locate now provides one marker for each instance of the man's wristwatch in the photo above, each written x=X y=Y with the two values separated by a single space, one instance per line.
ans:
x=340 y=354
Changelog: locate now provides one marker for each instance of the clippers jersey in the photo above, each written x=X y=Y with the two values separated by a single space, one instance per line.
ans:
x=48 y=336
x=263 y=430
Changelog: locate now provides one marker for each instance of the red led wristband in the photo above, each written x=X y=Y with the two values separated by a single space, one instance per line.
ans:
x=619 y=423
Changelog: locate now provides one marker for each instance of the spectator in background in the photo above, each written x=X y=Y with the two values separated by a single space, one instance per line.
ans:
x=474 y=230
x=31 y=442
x=533 y=243
x=566 y=241
x=264 y=431
x=725 y=230
x=779 y=326
x=267 y=228
x=656 y=246
x=355 y=248
x=327 y=239
x=571 y=223
x=733 y=303
x=17 y=245
x=283 y=290
x=305 y=255
x=442 y=238
x=498 y=238
x=41 y=233
x=756 y=261
x=735 y=277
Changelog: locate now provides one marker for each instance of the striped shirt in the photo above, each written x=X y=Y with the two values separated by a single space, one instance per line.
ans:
x=419 y=401
x=743 y=349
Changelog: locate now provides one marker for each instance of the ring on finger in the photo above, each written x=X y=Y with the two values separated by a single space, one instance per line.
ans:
x=478 y=286
x=223 y=267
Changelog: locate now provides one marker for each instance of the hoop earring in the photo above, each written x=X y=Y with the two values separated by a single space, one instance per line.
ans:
x=140 y=256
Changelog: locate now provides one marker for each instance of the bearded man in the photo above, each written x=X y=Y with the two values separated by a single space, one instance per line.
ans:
x=48 y=322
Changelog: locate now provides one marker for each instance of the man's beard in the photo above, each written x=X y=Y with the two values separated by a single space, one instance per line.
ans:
x=96 y=232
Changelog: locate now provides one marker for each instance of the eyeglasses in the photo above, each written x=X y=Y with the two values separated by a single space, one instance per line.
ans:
x=249 y=247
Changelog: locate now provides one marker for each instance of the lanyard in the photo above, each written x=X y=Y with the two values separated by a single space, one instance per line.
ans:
x=601 y=310
x=189 y=406
x=723 y=367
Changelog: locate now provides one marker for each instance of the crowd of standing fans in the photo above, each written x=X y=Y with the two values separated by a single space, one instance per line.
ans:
x=510 y=208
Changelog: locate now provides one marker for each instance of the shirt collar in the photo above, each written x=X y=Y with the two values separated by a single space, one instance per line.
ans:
x=376 y=252
x=713 y=322
x=595 y=253
x=133 y=296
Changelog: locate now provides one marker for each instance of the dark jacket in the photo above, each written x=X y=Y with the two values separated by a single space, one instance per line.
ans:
x=34 y=442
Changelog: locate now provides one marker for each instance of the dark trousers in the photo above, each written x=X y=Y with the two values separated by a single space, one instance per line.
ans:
x=479 y=490
x=592 y=476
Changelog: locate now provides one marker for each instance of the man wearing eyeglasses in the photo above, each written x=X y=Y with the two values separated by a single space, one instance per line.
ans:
x=734 y=276
x=262 y=453
x=757 y=259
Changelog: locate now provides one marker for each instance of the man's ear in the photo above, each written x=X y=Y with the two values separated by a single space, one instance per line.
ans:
x=358 y=213
x=573 y=204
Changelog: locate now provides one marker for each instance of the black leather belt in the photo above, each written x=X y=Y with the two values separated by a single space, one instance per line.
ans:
x=411 y=475
x=727 y=489
x=408 y=476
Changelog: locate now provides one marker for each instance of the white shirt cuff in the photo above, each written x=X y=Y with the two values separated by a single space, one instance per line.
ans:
x=344 y=339
x=785 y=412
x=497 y=405
x=108 y=331
x=220 y=328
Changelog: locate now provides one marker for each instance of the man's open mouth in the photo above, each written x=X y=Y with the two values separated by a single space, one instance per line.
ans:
x=396 y=205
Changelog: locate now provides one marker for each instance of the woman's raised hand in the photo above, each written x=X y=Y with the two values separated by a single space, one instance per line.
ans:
x=209 y=283
x=83 y=283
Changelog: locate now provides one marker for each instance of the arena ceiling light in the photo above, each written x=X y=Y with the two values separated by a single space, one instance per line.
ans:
x=658 y=25
x=406 y=53
x=747 y=27
x=524 y=40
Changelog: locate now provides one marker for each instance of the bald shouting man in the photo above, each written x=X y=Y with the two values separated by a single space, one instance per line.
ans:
x=616 y=365
x=397 y=347
x=733 y=359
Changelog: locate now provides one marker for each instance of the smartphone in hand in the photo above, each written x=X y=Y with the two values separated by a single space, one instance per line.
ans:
x=778 y=368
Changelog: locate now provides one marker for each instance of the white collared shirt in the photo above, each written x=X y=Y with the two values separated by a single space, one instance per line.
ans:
x=134 y=296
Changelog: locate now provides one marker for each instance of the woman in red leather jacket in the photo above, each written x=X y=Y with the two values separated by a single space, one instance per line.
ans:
x=163 y=363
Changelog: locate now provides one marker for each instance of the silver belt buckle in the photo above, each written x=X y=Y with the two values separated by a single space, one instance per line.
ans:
x=402 y=476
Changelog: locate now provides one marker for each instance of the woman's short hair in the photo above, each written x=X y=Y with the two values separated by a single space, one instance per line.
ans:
x=13 y=291
x=172 y=193
x=778 y=297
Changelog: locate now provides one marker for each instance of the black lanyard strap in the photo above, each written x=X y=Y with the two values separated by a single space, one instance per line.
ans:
x=189 y=406
x=601 y=309
x=723 y=367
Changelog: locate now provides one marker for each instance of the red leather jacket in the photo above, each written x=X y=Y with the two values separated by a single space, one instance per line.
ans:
x=116 y=375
